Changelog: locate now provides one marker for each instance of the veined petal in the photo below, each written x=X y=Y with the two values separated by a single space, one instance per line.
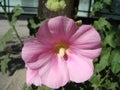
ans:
x=62 y=27
x=44 y=34
x=86 y=37
x=89 y=53
x=57 y=74
x=42 y=60
x=33 y=77
x=32 y=49
x=87 y=42
x=56 y=29
x=80 y=68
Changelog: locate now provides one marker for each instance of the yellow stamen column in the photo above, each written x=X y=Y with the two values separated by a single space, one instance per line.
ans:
x=62 y=52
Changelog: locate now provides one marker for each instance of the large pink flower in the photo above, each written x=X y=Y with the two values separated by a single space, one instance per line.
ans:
x=61 y=51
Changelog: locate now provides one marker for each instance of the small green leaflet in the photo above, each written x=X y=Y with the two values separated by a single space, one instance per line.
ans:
x=7 y=37
x=98 y=6
x=95 y=80
x=115 y=61
x=108 y=2
x=43 y=88
x=17 y=11
x=34 y=24
x=4 y=63
x=110 y=39
x=103 y=59
x=110 y=85
x=102 y=24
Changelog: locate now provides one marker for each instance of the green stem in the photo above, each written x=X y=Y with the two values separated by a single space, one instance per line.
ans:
x=21 y=42
x=6 y=15
x=106 y=76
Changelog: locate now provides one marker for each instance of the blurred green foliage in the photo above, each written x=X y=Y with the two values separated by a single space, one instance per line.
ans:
x=99 y=5
x=107 y=66
x=34 y=24
x=8 y=36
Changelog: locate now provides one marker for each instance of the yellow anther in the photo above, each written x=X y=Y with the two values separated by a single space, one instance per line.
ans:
x=60 y=46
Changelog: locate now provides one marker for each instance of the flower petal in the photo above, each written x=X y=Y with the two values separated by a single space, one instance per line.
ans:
x=42 y=60
x=44 y=35
x=55 y=29
x=87 y=42
x=86 y=37
x=57 y=74
x=80 y=68
x=62 y=27
x=32 y=49
x=33 y=77
x=89 y=53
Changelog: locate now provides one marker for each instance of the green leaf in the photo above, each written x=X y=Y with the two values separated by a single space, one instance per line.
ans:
x=108 y=2
x=34 y=24
x=108 y=35
x=115 y=61
x=17 y=11
x=97 y=6
x=118 y=36
x=4 y=63
x=25 y=87
x=103 y=59
x=7 y=37
x=43 y=88
x=102 y=24
x=110 y=39
x=64 y=88
x=95 y=80
x=110 y=85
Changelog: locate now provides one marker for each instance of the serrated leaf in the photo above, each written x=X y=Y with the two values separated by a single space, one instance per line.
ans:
x=115 y=61
x=103 y=59
x=102 y=24
x=97 y=6
x=4 y=63
x=7 y=37
x=17 y=11
x=110 y=39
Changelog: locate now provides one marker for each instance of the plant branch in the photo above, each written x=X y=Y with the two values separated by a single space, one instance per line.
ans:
x=7 y=16
x=21 y=42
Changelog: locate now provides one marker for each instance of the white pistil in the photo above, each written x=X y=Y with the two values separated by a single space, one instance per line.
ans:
x=62 y=52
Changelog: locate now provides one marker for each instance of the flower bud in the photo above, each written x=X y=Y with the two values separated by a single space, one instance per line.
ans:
x=55 y=5
x=79 y=22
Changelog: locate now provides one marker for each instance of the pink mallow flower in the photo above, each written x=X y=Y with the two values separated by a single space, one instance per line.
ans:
x=61 y=52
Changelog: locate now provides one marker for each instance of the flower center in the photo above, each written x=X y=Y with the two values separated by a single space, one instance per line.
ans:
x=61 y=48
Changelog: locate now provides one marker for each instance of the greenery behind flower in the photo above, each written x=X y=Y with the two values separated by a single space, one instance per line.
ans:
x=107 y=66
